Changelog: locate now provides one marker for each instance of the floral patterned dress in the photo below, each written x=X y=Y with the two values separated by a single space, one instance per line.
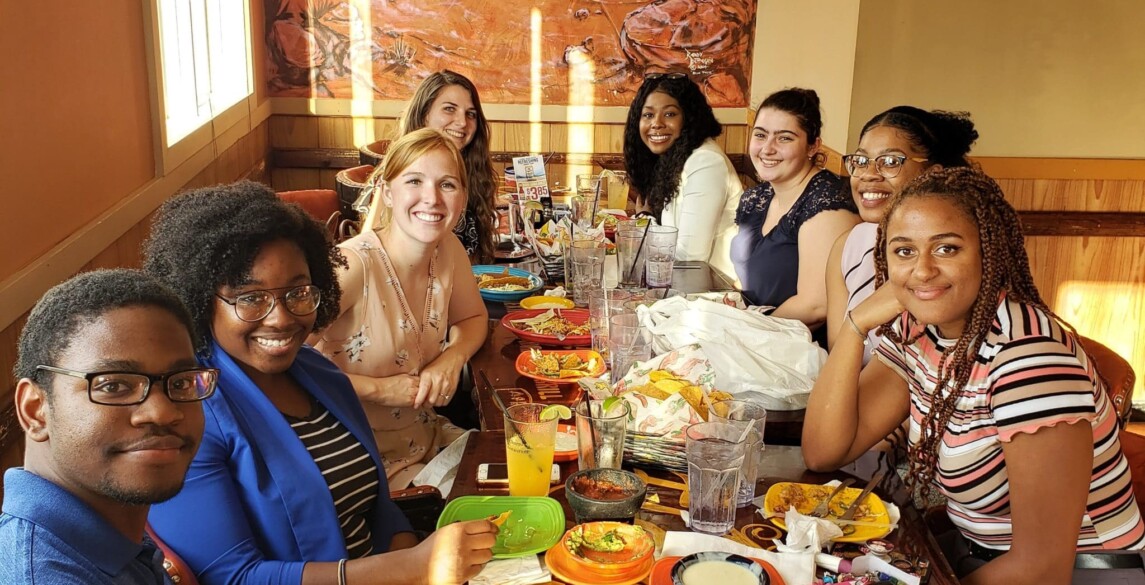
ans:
x=379 y=337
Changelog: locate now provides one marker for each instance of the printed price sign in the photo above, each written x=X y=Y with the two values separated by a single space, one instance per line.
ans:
x=532 y=182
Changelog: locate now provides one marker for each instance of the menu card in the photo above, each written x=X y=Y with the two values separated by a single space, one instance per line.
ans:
x=532 y=182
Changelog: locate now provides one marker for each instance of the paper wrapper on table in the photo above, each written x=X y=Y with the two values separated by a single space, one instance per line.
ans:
x=772 y=357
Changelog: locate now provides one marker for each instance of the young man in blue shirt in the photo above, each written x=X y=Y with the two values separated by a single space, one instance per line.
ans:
x=108 y=396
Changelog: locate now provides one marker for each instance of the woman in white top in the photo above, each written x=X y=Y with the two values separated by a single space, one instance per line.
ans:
x=683 y=177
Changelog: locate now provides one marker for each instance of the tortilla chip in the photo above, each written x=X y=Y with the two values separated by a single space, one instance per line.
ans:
x=671 y=386
x=499 y=519
x=657 y=375
x=571 y=362
x=566 y=374
x=695 y=397
x=652 y=392
x=719 y=395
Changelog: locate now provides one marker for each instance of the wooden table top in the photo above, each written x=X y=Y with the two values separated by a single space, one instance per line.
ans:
x=912 y=539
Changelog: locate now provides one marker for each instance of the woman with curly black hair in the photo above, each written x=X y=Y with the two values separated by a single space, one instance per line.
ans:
x=683 y=177
x=287 y=486
x=1007 y=414
x=448 y=102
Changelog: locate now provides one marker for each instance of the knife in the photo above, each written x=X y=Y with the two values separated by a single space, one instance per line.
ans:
x=849 y=513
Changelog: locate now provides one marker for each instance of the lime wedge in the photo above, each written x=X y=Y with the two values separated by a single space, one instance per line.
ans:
x=556 y=411
x=609 y=403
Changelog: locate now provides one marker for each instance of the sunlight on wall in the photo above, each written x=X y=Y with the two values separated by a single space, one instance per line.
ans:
x=581 y=132
x=1105 y=321
x=361 y=71
x=535 y=82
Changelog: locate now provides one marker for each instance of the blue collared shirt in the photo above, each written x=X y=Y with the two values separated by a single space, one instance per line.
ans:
x=50 y=537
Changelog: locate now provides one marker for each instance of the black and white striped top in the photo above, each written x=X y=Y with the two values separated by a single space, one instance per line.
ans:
x=348 y=470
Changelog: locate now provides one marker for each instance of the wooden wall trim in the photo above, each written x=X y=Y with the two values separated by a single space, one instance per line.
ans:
x=344 y=158
x=1063 y=168
x=1083 y=223
x=10 y=430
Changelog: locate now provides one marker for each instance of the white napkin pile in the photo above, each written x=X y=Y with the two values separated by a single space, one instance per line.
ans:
x=518 y=571
x=795 y=568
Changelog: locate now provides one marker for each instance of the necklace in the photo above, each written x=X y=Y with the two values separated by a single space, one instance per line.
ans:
x=407 y=322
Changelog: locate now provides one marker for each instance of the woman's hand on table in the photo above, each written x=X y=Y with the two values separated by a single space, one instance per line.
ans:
x=456 y=552
x=438 y=380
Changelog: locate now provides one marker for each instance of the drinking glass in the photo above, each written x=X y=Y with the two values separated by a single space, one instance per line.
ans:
x=587 y=269
x=583 y=209
x=616 y=185
x=660 y=251
x=600 y=435
x=715 y=454
x=741 y=413
x=602 y=306
x=629 y=256
x=628 y=342
x=569 y=281
x=529 y=445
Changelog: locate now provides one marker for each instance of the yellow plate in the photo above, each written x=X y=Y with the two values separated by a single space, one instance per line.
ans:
x=540 y=302
x=812 y=495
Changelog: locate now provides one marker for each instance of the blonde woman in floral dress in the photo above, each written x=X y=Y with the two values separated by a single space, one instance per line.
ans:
x=408 y=284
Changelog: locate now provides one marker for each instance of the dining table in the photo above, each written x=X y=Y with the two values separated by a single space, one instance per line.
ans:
x=492 y=369
x=914 y=545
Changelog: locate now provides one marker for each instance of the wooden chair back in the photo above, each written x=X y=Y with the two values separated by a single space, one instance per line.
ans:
x=1117 y=374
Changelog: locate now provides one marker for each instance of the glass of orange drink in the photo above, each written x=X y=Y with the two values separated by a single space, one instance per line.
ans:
x=530 y=439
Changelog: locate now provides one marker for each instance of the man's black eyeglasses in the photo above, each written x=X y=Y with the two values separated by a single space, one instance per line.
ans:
x=130 y=388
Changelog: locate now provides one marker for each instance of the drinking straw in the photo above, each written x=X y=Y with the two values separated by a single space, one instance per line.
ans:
x=501 y=405
x=639 y=250
x=595 y=202
x=591 y=435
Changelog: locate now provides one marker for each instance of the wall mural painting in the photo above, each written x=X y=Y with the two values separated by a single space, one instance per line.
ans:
x=310 y=46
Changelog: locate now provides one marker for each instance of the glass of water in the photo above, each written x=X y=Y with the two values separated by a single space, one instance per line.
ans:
x=660 y=254
x=600 y=435
x=715 y=454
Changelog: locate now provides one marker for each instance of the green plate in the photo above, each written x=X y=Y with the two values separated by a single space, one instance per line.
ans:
x=534 y=526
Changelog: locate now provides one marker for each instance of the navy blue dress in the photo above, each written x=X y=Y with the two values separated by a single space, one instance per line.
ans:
x=768 y=266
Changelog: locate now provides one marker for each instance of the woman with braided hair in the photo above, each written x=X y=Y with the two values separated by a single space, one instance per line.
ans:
x=1007 y=415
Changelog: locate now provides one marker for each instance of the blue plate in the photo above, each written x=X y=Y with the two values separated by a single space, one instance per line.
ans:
x=507 y=296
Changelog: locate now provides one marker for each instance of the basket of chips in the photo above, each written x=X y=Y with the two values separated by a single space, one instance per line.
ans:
x=665 y=395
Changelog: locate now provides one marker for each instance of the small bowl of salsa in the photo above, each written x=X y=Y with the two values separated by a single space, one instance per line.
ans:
x=604 y=494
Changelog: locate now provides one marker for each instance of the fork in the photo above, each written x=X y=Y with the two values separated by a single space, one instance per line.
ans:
x=823 y=507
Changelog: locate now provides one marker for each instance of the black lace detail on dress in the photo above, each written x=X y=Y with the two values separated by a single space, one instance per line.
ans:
x=825 y=192
x=466 y=231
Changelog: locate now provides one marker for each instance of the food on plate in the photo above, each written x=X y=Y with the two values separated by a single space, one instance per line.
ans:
x=503 y=282
x=611 y=541
x=555 y=365
x=662 y=384
x=805 y=497
x=599 y=489
x=723 y=572
x=499 y=519
x=610 y=220
x=550 y=323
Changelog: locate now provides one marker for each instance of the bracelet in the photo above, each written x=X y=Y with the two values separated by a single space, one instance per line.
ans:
x=342 y=572
x=855 y=327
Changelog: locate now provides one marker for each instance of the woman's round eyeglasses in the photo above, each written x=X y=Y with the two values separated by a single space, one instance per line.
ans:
x=255 y=305
x=887 y=165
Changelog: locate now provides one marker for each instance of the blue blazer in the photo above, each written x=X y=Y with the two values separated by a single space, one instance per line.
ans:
x=255 y=508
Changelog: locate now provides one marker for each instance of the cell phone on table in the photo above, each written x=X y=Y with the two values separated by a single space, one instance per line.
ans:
x=498 y=474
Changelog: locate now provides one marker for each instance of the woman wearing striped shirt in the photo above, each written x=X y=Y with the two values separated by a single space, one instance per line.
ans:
x=1007 y=415
x=288 y=486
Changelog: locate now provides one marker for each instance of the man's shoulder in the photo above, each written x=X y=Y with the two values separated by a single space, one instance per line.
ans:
x=33 y=554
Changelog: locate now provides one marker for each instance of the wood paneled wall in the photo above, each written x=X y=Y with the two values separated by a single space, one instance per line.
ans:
x=1095 y=282
x=247 y=158
x=329 y=132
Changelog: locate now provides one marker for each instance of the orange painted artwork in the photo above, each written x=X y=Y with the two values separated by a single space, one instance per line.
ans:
x=334 y=49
